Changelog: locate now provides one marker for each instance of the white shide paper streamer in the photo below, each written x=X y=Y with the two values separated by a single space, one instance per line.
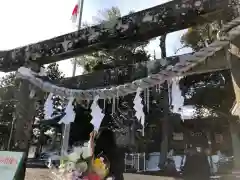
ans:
x=97 y=115
x=48 y=107
x=138 y=106
x=176 y=96
x=70 y=114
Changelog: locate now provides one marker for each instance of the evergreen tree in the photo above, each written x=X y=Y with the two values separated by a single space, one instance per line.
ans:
x=54 y=73
x=203 y=34
x=7 y=101
x=210 y=91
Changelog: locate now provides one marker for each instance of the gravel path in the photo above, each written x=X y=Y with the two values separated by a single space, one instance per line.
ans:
x=44 y=174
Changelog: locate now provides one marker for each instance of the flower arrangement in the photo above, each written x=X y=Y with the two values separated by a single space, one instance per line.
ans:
x=74 y=165
x=81 y=165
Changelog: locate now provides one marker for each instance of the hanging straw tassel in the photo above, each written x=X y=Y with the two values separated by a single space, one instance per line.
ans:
x=148 y=96
x=104 y=105
x=143 y=124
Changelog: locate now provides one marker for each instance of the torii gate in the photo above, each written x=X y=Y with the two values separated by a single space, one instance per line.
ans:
x=138 y=26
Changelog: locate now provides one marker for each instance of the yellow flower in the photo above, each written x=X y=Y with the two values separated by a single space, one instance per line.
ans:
x=99 y=167
x=98 y=163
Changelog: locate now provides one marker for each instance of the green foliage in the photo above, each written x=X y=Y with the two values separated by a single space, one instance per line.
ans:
x=107 y=15
x=199 y=36
x=212 y=91
x=205 y=33
x=54 y=73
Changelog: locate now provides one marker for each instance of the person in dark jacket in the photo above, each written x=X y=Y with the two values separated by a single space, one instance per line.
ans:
x=106 y=146
x=197 y=166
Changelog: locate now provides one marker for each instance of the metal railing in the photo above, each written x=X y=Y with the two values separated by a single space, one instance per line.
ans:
x=135 y=162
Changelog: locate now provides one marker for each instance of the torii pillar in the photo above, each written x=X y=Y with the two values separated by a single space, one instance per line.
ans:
x=25 y=113
x=233 y=58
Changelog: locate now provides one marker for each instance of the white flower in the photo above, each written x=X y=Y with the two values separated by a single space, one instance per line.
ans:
x=74 y=157
x=109 y=178
x=81 y=167
x=86 y=144
x=86 y=152
x=78 y=150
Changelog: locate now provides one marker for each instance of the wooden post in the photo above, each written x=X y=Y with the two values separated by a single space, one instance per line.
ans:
x=25 y=112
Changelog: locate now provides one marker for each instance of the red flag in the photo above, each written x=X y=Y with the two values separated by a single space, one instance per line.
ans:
x=75 y=12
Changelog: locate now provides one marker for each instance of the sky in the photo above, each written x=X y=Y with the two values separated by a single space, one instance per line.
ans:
x=29 y=21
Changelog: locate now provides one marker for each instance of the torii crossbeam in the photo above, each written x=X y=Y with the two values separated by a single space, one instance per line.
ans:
x=139 y=26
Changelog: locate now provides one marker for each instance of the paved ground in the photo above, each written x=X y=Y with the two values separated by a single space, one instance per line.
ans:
x=145 y=177
x=44 y=174
x=38 y=174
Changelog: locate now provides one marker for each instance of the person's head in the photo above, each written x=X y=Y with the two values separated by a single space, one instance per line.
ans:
x=81 y=127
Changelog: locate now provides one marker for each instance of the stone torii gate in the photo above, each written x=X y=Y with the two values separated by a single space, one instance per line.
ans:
x=138 y=26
